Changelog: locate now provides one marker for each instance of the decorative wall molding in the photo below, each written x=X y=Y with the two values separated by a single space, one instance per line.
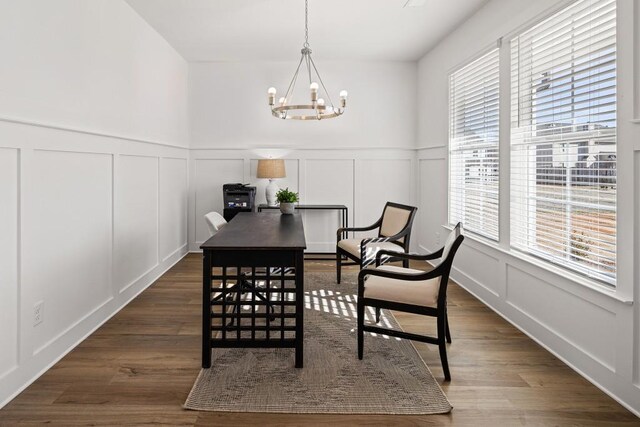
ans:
x=431 y=147
x=544 y=342
x=71 y=327
x=567 y=281
x=296 y=148
x=36 y=146
x=636 y=62
x=522 y=307
x=305 y=159
x=104 y=134
x=137 y=279
x=10 y=259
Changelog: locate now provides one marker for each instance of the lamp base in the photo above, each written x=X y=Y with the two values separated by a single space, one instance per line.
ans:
x=271 y=191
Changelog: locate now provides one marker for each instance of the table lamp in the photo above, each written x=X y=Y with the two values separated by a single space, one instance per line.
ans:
x=271 y=169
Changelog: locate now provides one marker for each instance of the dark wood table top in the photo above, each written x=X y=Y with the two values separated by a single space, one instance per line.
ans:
x=259 y=231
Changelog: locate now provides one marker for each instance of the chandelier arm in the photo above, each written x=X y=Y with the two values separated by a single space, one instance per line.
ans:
x=321 y=82
x=289 y=97
x=308 y=55
x=292 y=84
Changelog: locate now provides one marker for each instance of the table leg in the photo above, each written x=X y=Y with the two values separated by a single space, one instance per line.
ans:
x=206 y=310
x=299 y=308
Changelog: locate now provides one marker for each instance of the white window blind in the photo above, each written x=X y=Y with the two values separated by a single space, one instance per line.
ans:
x=563 y=139
x=473 y=146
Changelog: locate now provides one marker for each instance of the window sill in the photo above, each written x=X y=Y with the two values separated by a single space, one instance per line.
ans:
x=577 y=279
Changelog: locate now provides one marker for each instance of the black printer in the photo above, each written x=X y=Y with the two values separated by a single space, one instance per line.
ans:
x=238 y=198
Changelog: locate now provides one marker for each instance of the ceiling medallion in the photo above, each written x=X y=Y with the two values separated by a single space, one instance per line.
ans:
x=319 y=108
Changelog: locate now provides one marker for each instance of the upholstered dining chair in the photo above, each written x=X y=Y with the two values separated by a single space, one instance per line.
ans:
x=394 y=234
x=215 y=222
x=411 y=291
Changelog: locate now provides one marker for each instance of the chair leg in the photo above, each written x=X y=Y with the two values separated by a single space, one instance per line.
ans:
x=405 y=263
x=442 y=346
x=338 y=266
x=447 y=331
x=377 y=314
x=360 y=328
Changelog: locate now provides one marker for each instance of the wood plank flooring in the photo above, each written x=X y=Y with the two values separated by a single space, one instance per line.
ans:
x=138 y=368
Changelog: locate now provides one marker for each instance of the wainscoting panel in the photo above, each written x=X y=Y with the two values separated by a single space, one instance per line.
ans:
x=9 y=182
x=291 y=181
x=477 y=266
x=210 y=175
x=327 y=181
x=363 y=180
x=64 y=194
x=586 y=326
x=173 y=206
x=68 y=259
x=380 y=181
x=432 y=199
x=136 y=218
x=636 y=261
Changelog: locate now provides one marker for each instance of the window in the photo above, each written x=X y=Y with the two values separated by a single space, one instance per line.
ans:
x=473 y=146
x=563 y=139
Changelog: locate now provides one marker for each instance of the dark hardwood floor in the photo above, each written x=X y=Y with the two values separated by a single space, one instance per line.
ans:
x=139 y=367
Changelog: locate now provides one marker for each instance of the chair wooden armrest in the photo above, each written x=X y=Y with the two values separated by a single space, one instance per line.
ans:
x=355 y=229
x=407 y=255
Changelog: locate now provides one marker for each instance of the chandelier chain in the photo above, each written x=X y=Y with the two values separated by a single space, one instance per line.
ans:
x=306 y=23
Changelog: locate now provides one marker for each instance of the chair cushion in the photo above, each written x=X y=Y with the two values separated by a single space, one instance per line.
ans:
x=422 y=292
x=353 y=247
x=394 y=221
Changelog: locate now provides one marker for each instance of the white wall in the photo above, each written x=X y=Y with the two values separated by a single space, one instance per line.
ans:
x=93 y=66
x=361 y=159
x=229 y=105
x=93 y=172
x=594 y=330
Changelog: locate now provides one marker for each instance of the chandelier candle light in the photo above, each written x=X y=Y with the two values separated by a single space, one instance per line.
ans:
x=318 y=109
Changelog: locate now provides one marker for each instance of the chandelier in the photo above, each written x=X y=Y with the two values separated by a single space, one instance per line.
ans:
x=318 y=109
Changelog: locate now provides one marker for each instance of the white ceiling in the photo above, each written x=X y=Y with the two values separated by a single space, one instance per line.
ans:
x=220 y=30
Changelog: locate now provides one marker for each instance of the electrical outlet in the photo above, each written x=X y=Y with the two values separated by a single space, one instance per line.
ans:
x=38 y=313
x=437 y=238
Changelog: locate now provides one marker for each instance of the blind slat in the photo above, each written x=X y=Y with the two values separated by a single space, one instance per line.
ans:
x=473 y=146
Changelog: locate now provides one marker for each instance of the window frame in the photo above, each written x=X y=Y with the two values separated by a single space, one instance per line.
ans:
x=612 y=289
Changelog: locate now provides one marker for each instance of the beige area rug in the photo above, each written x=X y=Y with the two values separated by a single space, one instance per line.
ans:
x=391 y=379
